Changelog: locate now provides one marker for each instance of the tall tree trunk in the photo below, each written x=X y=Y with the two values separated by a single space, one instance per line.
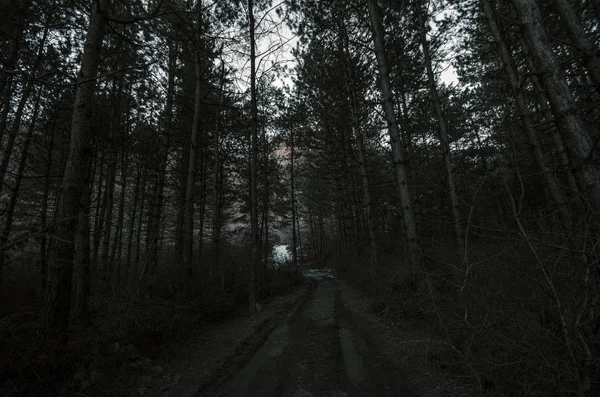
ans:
x=99 y=210
x=442 y=131
x=12 y=135
x=108 y=211
x=180 y=196
x=188 y=235
x=561 y=99
x=573 y=26
x=14 y=130
x=550 y=180
x=58 y=305
x=44 y=211
x=362 y=154
x=10 y=210
x=83 y=254
x=414 y=254
x=253 y=167
x=133 y=216
x=152 y=230
x=119 y=226
x=138 y=239
x=6 y=79
x=267 y=197
x=216 y=230
x=202 y=209
x=293 y=205
x=547 y=113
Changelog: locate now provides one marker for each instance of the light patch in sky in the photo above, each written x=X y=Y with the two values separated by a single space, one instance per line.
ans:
x=449 y=76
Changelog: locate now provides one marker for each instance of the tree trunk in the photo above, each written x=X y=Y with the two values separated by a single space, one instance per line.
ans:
x=119 y=227
x=100 y=209
x=216 y=231
x=547 y=113
x=550 y=180
x=561 y=100
x=414 y=254
x=443 y=133
x=152 y=230
x=108 y=211
x=362 y=154
x=58 y=305
x=44 y=212
x=83 y=254
x=14 y=130
x=293 y=205
x=188 y=234
x=138 y=239
x=12 y=135
x=253 y=168
x=573 y=26
x=6 y=79
x=133 y=216
x=10 y=210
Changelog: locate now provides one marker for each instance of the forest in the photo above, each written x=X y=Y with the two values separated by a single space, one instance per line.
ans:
x=438 y=155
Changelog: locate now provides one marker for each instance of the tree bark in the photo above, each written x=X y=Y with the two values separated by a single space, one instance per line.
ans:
x=561 y=100
x=138 y=239
x=133 y=216
x=573 y=26
x=362 y=154
x=550 y=180
x=10 y=210
x=119 y=227
x=6 y=80
x=293 y=205
x=12 y=135
x=44 y=212
x=414 y=254
x=547 y=113
x=99 y=211
x=83 y=254
x=216 y=227
x=58 y=305
x=188 y=229
x=442 y=132
x=253 y=168
x=109 y=191
x=152 y=230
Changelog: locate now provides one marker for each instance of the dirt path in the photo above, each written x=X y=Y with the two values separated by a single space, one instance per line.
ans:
x=331 y=347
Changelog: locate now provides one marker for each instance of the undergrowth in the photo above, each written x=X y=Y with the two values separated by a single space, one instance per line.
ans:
x=130 y=332
x=494 y=325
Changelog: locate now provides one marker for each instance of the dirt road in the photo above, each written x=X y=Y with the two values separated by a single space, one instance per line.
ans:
x=327 y=348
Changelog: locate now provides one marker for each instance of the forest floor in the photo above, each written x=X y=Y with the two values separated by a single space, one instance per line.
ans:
x=321 y=340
